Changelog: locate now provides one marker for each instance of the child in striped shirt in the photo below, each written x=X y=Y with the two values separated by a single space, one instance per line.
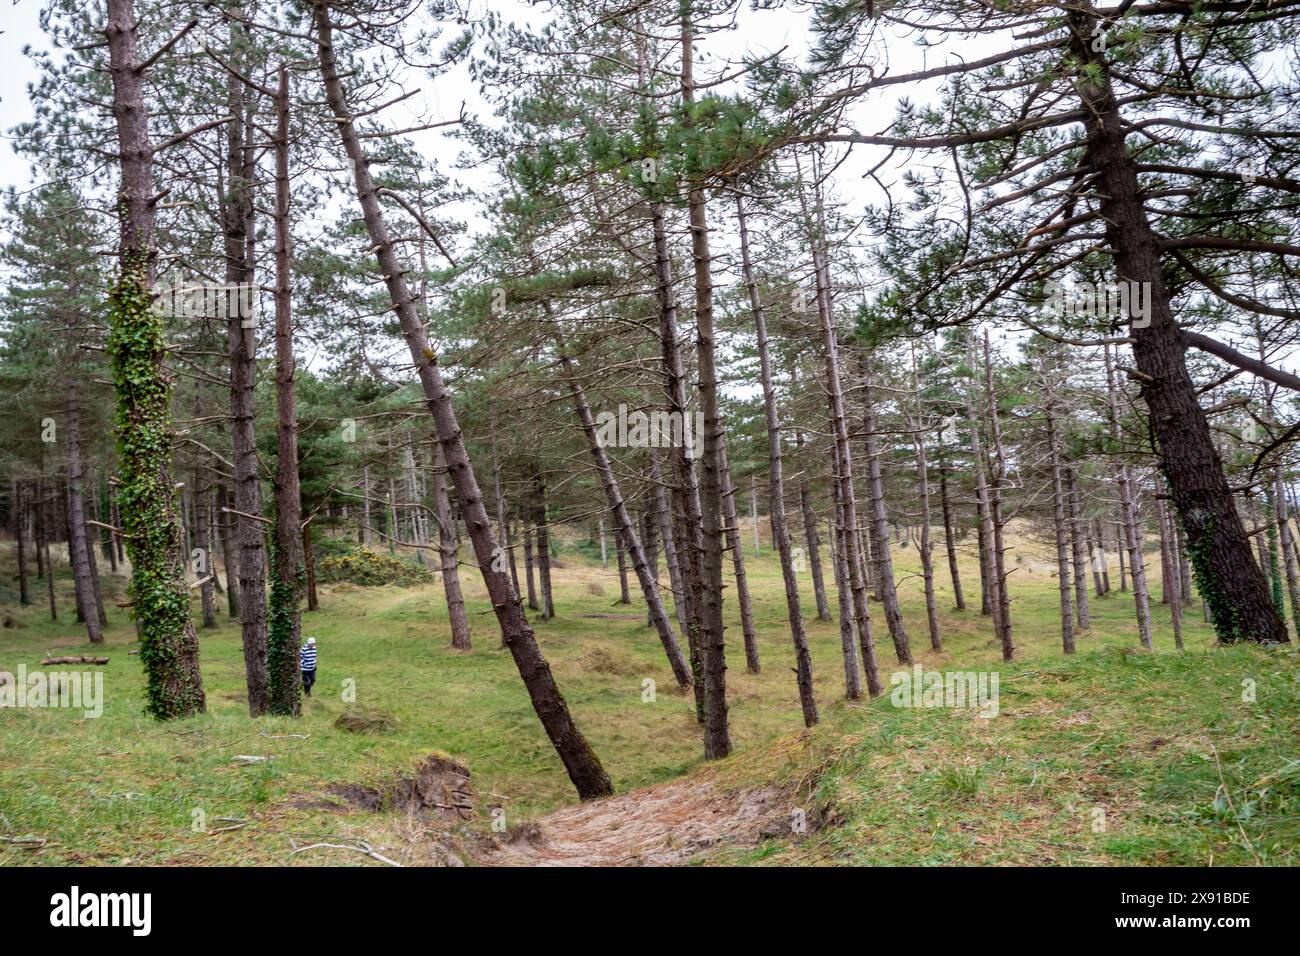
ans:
x=307 y=661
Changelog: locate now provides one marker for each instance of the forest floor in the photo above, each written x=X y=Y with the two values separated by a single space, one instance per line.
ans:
x=1112 y=756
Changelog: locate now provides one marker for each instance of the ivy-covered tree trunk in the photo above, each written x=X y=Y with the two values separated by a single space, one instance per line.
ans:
x=284 y=619
x=581 y=762
x=1233 y=587
x=160 y=602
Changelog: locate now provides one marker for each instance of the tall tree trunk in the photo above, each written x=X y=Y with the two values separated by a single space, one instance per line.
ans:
x=42 y=535
x=812 y=539
x=543 y=542
x=284 y=626
x=208 y=568
x=169 y=647
x=448 y=548
x=79 y=547
x=663 y=515
x=624 y=595
x=1062 y=541
x=229 y=555
x=20 y=534
x=949 y=541
x=776 y=488
x=237 y=216
x=1078 y=545
x=844 y=592
x=1235 y=589
x=528 y=562
x=1131 y=522
x=925 y=546
x=1168 y=543
x=309 y=568
x=732 y=520
x=997 y=551
x=1288 y=544
x=584 y=768
x=687 y=521
x=717 y=735
x=884 y=564
x=847 y=532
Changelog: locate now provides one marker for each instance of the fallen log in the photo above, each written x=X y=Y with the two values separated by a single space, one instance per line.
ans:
x=78 y=659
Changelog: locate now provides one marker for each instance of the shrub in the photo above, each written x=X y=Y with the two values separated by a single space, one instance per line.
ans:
x=365 y=567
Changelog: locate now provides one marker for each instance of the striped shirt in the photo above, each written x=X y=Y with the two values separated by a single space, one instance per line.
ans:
x=307 y=657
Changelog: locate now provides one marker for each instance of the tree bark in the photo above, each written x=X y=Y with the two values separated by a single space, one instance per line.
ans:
x=237 y=221
x=543 y=542
x=1078 y=545
x=717 y=735
x=284 y=627
x=448 y=548
x=1238 y=594
x=732 y=519
x=1131 y=522
x=79 y=546
x=884 y=563
x=949 y=541
x=169 y=647
x=208 y=571
x=1061 y=534
x=625 y=530
x=776 y=489
x=584 y=768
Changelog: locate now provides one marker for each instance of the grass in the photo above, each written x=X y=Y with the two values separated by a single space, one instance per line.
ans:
x=1110 y=756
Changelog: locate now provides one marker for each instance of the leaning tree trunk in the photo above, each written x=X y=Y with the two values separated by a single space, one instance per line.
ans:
x=79 y=547
x=625 y=530
x=579 y=759
x=776 y=486
x=1230 y=583
x=169 y=646
x=285 y=620
x=812 y=539
x=847 y=513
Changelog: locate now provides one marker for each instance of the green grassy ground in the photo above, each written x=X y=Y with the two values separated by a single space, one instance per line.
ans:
x=1109 y=757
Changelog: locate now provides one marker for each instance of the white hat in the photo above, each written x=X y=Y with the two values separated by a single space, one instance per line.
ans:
x=311 y=640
